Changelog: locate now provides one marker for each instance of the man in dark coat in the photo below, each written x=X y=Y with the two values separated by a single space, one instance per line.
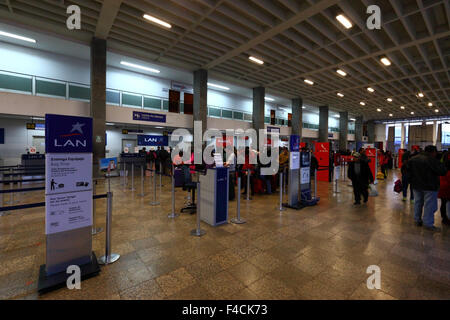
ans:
x=361 y=176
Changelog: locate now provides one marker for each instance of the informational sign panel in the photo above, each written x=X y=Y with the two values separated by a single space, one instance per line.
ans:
x=33 y=150
x=126 y=150
x=145 y=140
x=305 y=175
x=136 y=149
x=322 y=153
x=108 y=164
x=146 y=116
x=294 y=160
x=218 y=160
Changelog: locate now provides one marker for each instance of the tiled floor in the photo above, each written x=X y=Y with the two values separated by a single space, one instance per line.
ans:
x=320 y=252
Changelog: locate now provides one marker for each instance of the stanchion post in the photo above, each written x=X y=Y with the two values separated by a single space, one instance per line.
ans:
x=11 y=195
x=173 y=215
x=160 y=176
x=142 y=182
x=198 y=232
x=132 y=177
x=315 y=184
x=154 y=202
x=281 y=193
x=248 y=184
x=238 y=219
x=94 y=229
x=108 y=257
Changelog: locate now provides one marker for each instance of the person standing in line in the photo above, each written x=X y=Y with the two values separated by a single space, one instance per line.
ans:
x=361 y=176
x=405 y=182
x=444 y=192
x=424 y=170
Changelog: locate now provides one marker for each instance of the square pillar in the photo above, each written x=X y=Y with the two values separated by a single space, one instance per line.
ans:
x=258 y=108
x=343 y=131
x=201 y=97
x=323 y=124
x=358 y=130
x=297 y=117
x=98 y=100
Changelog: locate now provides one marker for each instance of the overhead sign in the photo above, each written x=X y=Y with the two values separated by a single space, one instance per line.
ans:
x=151 y=117
x=108 y=164
x=2 y=135
x=67 y=134
x=144 y=140
x=31 y=126
x=273 y=129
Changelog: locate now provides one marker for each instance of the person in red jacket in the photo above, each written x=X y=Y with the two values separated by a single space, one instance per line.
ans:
x=444 y=194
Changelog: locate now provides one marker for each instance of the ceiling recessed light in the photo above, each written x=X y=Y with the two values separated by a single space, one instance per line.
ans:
x=420 y=95
x=391 y=115
x=269 y=99
x=379 y=110
x=370 y=89
x=256 y=60
x=344 y=21
x=402 y=107
x=385 y=61
x=436 y=110
x=16 y=36
x=309 y=82
x=430 y=104
x=352 y=119
x=217 y=86
x=340 y=95
x=303 y=107
x=132 y=65
x=412 y=112
x=341 y=72
x=362 y=103
x=389 y=99
x=157 y=21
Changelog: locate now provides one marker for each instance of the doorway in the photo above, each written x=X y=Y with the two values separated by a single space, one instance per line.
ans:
x=39 y=143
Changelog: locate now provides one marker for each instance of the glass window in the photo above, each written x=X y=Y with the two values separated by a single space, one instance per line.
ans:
x=50 y=88
x=152 y=103
x=214 y=112
x=112 y=97
x=79 y=92
x=166 y=105
x=238 y=115
x=248 y=117
x=131 y=100
x=16 y=83
x=227 y=114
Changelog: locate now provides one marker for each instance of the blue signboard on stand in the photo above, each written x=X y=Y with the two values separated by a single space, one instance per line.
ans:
x=144 y=140
x=67 y=134
x=146 y=116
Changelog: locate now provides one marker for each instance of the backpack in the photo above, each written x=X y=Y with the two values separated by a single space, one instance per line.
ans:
x=398 y=186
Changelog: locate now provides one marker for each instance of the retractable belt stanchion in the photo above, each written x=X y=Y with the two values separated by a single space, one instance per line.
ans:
x=281 y=192
x=248 y=184
x=108 y=257
x=285 y=181
x=198 y=232
x=160 y=177
x=154 y=202
x=238 y=219
x=173 y=215
x=142 y=182
x=132 y=177
x=11 y=195
x=315 y=184
x=94 y=229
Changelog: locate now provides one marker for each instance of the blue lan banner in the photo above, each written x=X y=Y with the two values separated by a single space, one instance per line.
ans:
x=144 y=140
x=152 y=117
x=2 y=135
x=67 y=134
x=294 y=143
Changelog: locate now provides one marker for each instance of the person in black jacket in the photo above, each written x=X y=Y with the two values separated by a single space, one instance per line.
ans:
x=361 y=176
x=423 y=172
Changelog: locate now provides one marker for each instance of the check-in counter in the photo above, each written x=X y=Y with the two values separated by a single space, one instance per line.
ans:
x=137 y=159
x=214 y=196
x=33 y=162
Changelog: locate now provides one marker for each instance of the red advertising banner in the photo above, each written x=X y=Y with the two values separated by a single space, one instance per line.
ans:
x=322 y=154
x=188 y=103
x=371 y=153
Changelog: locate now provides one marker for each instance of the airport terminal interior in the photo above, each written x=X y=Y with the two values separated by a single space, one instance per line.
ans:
x=224 y=149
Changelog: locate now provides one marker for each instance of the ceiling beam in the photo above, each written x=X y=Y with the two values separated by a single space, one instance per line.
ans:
x=296 y=19
x=108 y=14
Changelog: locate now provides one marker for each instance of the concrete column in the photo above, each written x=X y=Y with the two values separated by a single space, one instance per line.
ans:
x=98 y=100
x=371 y=131
x=435 y=132
x=358 y=130
x=297 y=116
x=323 y=124
x=343 y=131
x=201 y=97
x=258 y=108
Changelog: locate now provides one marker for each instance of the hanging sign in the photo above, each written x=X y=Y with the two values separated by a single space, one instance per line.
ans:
x=146 y=116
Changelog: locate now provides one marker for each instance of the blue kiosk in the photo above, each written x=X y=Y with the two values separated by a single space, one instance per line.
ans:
x=214 y=196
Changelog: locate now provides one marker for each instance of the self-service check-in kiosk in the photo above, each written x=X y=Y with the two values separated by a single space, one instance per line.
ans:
x=294 y=173
x=214 y=196
x=305 y=180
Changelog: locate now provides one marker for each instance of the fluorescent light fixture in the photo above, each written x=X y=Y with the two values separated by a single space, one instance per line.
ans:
x=362 y=103
x=157 y=21
x=338 y=116
x=352 y=119
x=379 y=110
x=420 y=95
x=303 y=107
x=110 y=124
x=159 y=127
x=340 y=94
x=341 y=72
x=256 y=60
x=309 y=82
x=370 y=89
x=344 y=21
x=386 y=61
x=402 y=107
x=218 y=86
x=389 y=99
x=132 y=65
x=430 y=104
x=429 y=123
x=269 y=99
x=37 y=118
x=16 y=36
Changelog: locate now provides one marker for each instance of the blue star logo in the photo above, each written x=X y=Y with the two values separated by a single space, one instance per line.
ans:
x=77 y=127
